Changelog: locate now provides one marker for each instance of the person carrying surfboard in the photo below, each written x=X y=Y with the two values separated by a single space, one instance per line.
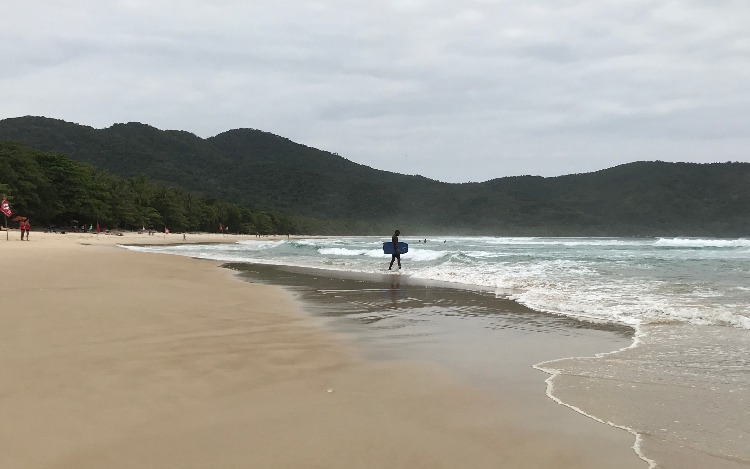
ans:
x=396 y=251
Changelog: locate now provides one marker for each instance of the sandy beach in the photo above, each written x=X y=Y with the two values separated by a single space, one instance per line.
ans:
x=114 y=358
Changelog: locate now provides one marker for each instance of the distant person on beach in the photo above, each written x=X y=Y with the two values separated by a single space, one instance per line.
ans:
x=396 y=253
x=25 y=226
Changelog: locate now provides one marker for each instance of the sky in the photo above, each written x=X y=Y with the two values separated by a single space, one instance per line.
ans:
x=456 y=91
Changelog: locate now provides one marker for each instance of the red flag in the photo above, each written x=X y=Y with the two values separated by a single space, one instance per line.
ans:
x=5 y=208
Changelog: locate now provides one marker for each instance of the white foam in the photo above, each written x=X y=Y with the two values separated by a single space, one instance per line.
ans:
x=483 y=254
x=702 y=243
x=351 y=252
x=554 y=372
x=196 y=251
x=624 y=285
x=340 y=252
x=425 y=255
x=260 y=245
x=564 y=241
x=577 y=289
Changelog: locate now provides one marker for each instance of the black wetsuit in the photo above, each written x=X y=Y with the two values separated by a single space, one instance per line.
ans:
x=396 y=252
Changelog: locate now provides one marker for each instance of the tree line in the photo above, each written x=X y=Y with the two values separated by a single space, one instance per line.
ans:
x=324 y=193
x=53 y=190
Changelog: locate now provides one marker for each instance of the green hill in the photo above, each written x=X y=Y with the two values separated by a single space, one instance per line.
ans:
x=54 y=190
x=326 y=193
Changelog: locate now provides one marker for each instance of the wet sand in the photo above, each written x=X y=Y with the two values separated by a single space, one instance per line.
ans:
x=685 y=388
x=113 y=358
x=485 y=341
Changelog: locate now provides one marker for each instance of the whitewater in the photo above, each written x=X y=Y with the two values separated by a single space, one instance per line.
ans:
x=623 y=280
x=682 y=387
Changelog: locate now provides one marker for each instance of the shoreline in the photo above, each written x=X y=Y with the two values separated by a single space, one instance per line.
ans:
x=550 y=391
x=584 y=321
x=373 y=281
x=113 y=358
x=690 y=413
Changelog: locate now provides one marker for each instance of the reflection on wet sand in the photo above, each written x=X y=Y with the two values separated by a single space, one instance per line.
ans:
x=492 y=341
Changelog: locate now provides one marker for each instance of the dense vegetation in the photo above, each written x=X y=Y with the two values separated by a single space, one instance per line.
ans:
x=52 y=189
x=325 y=193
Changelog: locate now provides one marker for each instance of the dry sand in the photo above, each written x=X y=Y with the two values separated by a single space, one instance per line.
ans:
x=111 y=358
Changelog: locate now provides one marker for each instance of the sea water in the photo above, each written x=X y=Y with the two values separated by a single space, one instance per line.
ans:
x=687 y=299
x=632 y=281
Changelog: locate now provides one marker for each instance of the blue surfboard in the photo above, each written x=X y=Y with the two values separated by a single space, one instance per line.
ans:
x=388 y=248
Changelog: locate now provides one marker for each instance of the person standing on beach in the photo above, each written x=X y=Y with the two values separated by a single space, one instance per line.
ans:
x=396 y=252
x=27 y=225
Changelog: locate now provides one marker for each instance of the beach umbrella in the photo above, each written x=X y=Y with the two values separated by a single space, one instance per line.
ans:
x=19 y=218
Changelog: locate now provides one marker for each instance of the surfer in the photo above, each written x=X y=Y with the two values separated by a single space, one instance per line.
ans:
x=396 y=251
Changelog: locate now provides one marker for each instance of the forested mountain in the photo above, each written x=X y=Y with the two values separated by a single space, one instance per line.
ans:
x=54 y=190
x=325 y=193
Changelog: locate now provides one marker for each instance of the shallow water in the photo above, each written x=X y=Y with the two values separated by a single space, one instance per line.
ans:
x=487 y=342
x=684 y=388
x=632 y=281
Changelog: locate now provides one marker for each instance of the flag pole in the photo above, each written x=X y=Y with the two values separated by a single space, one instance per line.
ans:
x=5 y=202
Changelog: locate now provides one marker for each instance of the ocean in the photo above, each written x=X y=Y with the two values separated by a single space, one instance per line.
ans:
x=682 y=383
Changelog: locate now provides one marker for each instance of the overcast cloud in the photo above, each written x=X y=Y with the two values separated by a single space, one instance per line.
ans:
x=455 y=91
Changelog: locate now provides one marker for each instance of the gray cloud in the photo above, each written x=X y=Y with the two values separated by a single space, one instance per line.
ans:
x=453 y=91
